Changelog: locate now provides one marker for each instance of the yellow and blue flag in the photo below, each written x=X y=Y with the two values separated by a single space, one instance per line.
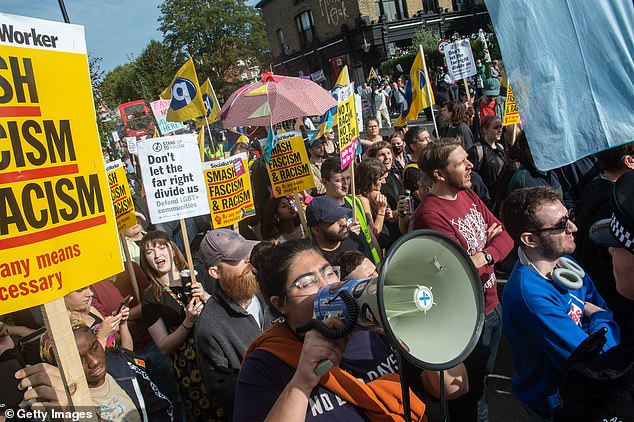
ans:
x=373 y=74
x=330 y=118
x=235 y=137
x=186 y=102
x=211 y=105
x=416 y=94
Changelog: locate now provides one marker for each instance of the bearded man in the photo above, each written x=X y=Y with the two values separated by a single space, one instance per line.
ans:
x=231 y=319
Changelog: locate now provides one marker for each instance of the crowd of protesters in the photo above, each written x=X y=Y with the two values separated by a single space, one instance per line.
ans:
x=196 y=351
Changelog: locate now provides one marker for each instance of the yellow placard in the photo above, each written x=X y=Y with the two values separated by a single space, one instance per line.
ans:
x=57 y=230
x=229 y=190
x=348 y=130
x=511 y=115
x=121 y=196
x=289 y=168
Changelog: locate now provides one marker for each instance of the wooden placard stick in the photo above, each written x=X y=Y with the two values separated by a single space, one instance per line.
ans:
x=130 y=267
x=466 y=87
x=188 y=254
x=302 y=215
x=66 y=355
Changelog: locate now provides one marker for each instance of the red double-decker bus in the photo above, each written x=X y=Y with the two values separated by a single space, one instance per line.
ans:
x=136 y=119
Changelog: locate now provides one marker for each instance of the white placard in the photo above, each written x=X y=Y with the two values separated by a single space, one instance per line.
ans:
x=131 y=142
x=460 y=60
x=115 y=137
x=173 y=177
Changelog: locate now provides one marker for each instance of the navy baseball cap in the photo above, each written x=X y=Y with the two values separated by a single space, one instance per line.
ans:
x=324 y=210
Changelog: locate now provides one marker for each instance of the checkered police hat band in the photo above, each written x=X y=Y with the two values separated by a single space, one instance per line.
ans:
x=621 y=234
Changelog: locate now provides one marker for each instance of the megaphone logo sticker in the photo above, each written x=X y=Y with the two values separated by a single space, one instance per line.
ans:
x=367 y=313
x=336 y=286
x=424 y=298
x=359 y=289
x=183 y=92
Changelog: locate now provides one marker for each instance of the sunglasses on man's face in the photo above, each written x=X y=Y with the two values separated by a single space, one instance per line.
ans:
x=561 y=226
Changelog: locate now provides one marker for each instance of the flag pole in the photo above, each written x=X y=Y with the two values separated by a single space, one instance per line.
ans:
x=427 y=82
x=211 y=138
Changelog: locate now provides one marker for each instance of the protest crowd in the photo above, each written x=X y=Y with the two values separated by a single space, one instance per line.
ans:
x=215 y=330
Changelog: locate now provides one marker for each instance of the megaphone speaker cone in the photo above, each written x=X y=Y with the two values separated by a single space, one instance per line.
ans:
x=430 y=300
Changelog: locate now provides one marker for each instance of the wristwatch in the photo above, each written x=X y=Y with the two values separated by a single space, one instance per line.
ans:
x=488 y=257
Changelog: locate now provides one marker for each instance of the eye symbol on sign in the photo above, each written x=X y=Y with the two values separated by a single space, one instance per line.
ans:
x=183 y=93
x=157 y=147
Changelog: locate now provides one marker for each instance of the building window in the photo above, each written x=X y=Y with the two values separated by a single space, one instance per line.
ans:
x=283 y=45
x=391 y=10
x=306 y=28
x=430 y=6
x=244 y=76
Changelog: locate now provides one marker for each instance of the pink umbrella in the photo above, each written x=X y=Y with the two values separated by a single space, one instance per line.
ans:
x=275 y=99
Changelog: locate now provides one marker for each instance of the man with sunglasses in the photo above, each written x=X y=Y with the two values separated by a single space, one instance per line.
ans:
x=550 y=304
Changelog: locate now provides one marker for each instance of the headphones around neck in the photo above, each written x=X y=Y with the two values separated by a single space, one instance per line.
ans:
x=567 y=274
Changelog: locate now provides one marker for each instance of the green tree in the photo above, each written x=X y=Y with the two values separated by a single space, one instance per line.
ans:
x=429 y=40
x=154 y=69
x=96 y=78
x=218 y=34
x=121 y=85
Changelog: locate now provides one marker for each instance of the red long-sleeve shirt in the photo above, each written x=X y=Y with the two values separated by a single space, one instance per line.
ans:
x=466 y=219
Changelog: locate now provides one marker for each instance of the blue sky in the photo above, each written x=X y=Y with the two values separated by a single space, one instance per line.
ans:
x=115 y=29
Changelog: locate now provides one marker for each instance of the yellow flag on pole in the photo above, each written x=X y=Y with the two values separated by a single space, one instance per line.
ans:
x=186 y=102
x=418 y=93
x=373 y=74
x=211 y=104
x=330 y=118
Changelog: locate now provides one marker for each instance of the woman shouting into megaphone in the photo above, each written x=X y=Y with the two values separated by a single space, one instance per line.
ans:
x=279 y=381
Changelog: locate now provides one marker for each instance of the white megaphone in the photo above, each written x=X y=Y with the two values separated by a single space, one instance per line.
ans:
x=428 y=299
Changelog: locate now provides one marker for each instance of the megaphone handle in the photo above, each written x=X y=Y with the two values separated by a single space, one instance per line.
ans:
x=443 y=401
x=407 y=417
x=323 y=367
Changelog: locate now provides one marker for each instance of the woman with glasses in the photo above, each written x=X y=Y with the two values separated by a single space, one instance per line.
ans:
x=277 y=380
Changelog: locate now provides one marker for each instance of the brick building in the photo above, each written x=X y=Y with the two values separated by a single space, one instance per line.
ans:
x=309 y=36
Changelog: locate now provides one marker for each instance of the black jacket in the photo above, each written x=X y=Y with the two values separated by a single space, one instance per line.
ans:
x=129 y=372
x=224 y=331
